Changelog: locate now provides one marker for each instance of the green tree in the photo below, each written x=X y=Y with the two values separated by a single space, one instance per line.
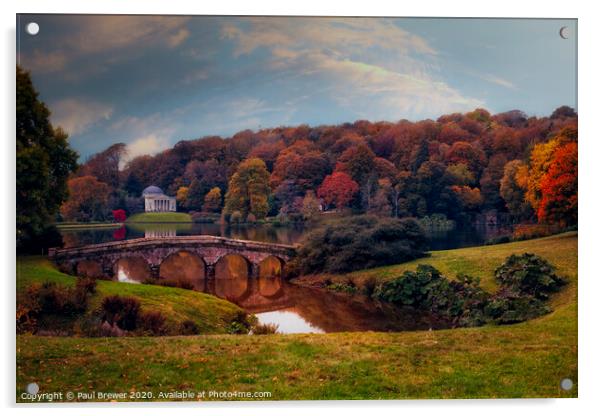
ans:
x=249 y=190
x=44 y=162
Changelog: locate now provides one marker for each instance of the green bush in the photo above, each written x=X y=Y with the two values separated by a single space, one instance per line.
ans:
x=463 y=302
x=360 y=242
x=459 y=301
x=528 y=274
x=241 y=324
x=508 y=307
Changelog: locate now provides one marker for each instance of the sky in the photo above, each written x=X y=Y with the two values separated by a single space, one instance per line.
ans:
x=151 y=81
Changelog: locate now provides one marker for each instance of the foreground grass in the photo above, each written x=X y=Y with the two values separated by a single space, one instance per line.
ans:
x=523 y=360
x=211 y=314
x=160 y=217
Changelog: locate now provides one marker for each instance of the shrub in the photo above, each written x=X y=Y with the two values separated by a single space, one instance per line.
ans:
x=121 y=310
x=528 y=274
x=151 y=323
x=265 y=329
x=342 y=287
x=241 y=324
x=508 y=307
x=86 y=285
x=26 y=318
x=189 y=327
x=51 y=298
x=369 y=286
x=360 y=242
x=426 y=289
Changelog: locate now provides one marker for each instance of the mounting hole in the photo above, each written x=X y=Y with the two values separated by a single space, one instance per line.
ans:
x=566 y=384
x=32 y=28
x=33 y=388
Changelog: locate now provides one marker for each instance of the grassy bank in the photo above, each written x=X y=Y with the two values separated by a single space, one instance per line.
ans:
x=211 y=314
x=160 y=217
x=523 y=360
x=86 y=225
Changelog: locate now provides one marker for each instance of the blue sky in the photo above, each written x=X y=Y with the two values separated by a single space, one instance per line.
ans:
x=150 y=81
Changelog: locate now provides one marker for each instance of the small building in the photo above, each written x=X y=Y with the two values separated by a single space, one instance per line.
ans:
x=156 y=201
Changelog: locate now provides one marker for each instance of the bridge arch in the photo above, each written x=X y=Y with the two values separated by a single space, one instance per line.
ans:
x=131 y=268
x=271 y=266
x=88 y=268
x=185 y=265
x=233 y=266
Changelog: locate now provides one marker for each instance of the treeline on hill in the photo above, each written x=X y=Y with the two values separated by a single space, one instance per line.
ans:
x=459 y=166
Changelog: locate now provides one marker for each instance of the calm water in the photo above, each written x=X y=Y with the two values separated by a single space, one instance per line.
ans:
x=293 y=308
x=438 y=240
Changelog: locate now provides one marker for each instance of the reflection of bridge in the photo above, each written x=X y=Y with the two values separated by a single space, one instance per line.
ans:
x=154 y=251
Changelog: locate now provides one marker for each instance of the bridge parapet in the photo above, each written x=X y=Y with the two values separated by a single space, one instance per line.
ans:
x=155 y=250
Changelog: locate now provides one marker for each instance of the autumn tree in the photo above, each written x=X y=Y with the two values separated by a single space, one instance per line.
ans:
x=311 y=205
x=182 y=195
x=338 y=189
x=512 y=189
x=105 y=165
x=249 y=190
x=559 y=187
x=88 y=198
x=44 y=162
x=213 y=200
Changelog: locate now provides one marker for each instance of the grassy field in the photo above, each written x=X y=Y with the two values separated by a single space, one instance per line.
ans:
x=523 y=360
x=160 y=217
x=211 y=314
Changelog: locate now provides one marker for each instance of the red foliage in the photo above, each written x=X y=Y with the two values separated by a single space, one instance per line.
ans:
x=338 y=189
x=559 y=187
x=119 y=215
x=119 y=234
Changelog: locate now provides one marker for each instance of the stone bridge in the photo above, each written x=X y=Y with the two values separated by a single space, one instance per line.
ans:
x=155 y=251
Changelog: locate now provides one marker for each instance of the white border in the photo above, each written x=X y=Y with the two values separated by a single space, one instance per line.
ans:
x=590 y=201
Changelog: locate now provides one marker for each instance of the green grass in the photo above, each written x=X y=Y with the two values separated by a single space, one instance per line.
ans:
x=211 y=314
x=160 y=217
x=522 y=360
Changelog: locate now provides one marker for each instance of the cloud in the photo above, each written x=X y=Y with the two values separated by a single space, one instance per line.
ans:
x=358 y=60
x=76 y=115
x=178 y=38
x=499 y=81
x=146 y=135
x=87 y=36
x=146 y=145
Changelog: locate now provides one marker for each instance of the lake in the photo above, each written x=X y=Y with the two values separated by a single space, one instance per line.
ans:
x=293 y=308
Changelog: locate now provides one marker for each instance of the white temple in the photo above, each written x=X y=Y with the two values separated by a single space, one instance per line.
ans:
x=156 y=201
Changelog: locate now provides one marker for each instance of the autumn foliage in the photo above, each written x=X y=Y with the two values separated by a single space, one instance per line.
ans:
x=338 y=189
x=460 y=166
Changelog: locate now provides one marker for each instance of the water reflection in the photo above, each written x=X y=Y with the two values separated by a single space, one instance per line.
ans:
x=466 y=236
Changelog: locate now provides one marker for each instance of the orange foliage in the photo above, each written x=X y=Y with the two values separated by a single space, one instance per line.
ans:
x=559 y=187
